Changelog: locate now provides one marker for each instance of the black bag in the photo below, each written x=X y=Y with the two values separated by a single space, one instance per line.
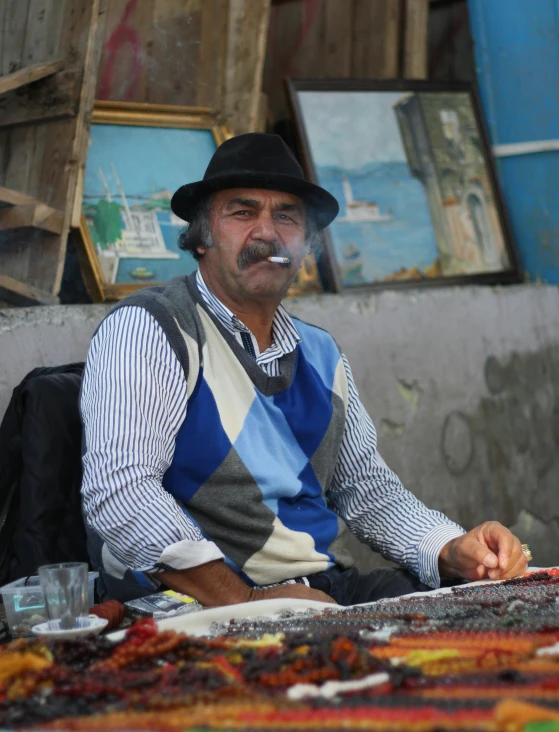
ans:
x=40 y=473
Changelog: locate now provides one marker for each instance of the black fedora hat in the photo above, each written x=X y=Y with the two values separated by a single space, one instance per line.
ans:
x=256 y=160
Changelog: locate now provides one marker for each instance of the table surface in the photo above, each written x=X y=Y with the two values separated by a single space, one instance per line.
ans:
x=200 y=622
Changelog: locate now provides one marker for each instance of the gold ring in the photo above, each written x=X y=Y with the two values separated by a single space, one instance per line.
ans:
x=527 y=553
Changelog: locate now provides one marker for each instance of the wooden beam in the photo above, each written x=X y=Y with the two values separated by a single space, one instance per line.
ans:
x=20 y=293
x=83 y=123
x=9 y=197
x=57 y=97
x=212 y=41
x=66 y=149
x=28 y=75
x=415 y=39
x=18 y=210
x=36 y=215
x=247 y=30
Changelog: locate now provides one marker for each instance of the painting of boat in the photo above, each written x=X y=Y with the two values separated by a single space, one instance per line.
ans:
x=141 y=274
x=351 y=265
x=360 y=211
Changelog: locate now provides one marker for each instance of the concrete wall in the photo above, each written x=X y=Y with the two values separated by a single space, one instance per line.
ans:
x=462 y=383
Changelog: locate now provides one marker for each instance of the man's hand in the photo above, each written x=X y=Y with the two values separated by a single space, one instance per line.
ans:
x=490 y=551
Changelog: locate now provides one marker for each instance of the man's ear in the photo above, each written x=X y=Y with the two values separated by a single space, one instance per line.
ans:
x=201 y=250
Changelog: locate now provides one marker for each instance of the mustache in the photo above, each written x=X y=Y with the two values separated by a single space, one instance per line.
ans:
x=258 y=251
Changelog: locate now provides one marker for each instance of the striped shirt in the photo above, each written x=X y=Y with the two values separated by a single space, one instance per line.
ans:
x=134 y=400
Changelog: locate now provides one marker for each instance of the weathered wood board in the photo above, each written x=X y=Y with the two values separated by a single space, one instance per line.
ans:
x=43 y=131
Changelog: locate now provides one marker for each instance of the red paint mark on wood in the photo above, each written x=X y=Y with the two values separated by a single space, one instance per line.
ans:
x=122 y=36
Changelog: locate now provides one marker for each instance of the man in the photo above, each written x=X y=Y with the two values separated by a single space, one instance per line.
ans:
x=227 y=452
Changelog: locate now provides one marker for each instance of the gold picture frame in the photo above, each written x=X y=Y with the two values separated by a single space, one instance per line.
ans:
x=158 y=129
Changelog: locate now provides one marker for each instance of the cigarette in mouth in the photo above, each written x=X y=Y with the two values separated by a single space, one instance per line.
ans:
x=279 y=260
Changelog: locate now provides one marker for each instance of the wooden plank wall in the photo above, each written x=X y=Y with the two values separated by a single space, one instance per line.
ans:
x=207 y=53
x=190 y=52
x=342 y=39
x=42 y=159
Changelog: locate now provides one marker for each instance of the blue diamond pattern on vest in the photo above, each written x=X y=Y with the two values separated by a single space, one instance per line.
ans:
x=201 y=436
x=269 y=449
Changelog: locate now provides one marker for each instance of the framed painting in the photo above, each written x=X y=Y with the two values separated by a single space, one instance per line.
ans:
x=138 y=155
x=410 y=164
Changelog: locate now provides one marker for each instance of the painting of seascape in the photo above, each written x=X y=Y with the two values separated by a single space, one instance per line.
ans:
x=371 y=243
x=131 y=174
x=411 y=172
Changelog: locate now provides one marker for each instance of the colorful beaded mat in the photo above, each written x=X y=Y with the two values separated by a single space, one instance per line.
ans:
x=478 y=658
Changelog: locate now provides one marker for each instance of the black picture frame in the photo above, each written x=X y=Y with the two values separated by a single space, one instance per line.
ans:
x=475 y=213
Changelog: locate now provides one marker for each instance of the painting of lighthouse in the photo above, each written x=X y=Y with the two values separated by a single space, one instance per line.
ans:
x=360 y=210
x=412 y=172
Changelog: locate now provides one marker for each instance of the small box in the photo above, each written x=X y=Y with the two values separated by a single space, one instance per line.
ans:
x=25 y=604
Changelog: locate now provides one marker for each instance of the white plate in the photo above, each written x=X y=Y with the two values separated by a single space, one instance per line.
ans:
x=95 y=626
x=200 y=622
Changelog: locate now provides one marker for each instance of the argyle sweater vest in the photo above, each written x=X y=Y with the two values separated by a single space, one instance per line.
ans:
x=255 y=454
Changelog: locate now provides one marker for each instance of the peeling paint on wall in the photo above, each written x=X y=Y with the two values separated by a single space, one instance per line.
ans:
x=410 y=393
x=516 y=424
x=520 y=415
x=394 y=429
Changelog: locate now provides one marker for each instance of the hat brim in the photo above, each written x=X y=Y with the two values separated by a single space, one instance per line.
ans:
x=323 y=206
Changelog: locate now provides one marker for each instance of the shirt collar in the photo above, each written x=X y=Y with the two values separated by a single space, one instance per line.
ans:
x=284 y=333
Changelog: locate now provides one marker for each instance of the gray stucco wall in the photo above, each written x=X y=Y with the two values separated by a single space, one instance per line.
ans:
x=462 y=383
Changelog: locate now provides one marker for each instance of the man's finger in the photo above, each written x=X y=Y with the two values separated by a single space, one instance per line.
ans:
x=474 y=551
x=501 y=541
x=516 y=565
x=518 y=569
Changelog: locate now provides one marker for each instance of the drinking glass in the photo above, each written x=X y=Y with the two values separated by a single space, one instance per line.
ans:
x=65 y=589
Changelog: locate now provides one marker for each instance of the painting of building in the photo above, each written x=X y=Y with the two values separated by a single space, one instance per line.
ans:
x=444 y=152
x=408 y=169
x=130 y=175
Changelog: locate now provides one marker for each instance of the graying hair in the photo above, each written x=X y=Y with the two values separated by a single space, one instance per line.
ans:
x=198 y=232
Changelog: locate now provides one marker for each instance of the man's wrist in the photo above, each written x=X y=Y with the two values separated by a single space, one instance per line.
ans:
x=430 y=549
x=446 y=562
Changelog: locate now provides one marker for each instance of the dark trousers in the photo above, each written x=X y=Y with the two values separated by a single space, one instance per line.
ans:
x=349 y=587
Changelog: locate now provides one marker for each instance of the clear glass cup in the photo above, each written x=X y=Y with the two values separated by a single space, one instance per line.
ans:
x=65 y=589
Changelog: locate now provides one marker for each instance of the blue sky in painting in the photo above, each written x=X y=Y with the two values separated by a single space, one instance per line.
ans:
x=350 y=129
x=146 y=159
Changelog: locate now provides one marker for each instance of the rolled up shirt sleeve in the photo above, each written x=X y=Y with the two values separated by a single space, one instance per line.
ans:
x=133 y=402
x=372 y=501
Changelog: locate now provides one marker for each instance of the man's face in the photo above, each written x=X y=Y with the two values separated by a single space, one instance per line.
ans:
x=247 y=226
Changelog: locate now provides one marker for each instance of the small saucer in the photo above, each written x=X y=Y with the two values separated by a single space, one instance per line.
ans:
x=95 y=626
